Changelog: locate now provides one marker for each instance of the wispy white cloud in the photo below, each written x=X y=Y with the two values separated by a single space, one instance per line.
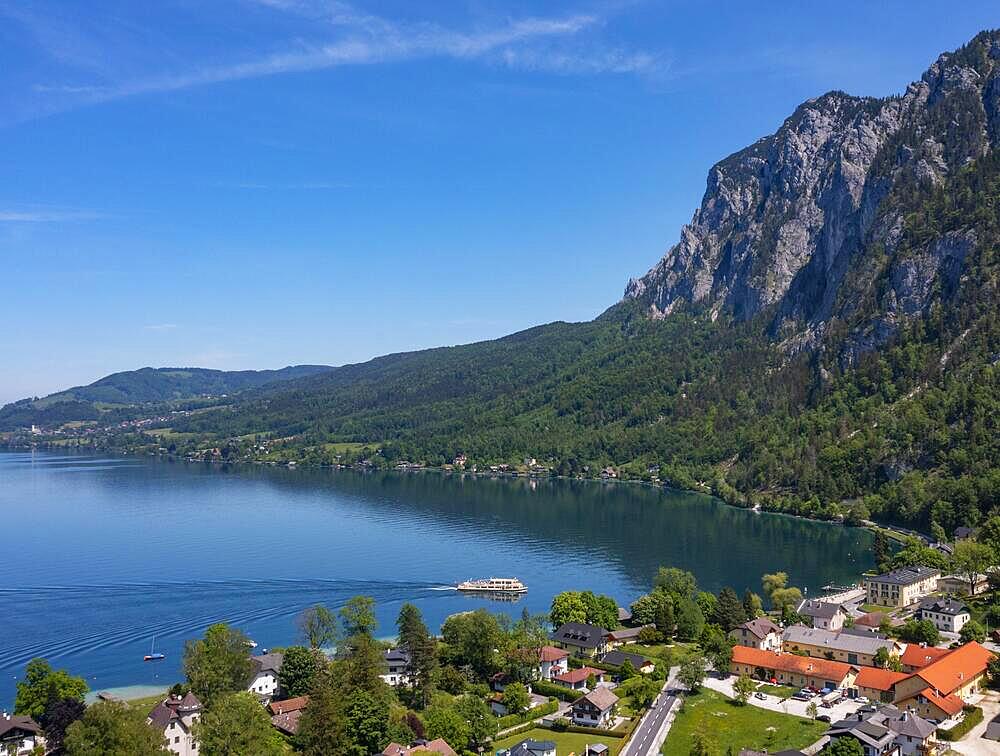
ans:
x=161 y=327
x=343 y=36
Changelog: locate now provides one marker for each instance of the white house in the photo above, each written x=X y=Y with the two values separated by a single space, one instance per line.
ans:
x=175 y=717
x=596 y=708
x=552 y=661
x=397 y=664
x=757 y=633
x=822 y=614
x=947 y=614
x=264 y=676
x=531 y=748
x=19 y=734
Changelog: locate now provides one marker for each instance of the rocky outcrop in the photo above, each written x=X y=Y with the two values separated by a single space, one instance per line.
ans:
x=789 y=227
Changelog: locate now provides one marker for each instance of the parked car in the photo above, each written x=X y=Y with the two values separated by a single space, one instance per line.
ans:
x=760 y=695
x=823 y=718
x=804 y=695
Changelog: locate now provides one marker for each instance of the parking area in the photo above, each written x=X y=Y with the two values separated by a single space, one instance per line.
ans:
x=838 y=711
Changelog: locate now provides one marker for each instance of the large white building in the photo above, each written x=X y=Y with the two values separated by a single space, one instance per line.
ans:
x=264 y=676
x=947 y=614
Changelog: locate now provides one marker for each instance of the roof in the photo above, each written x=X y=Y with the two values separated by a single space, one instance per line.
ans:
x=551 y=654
x=438 y=745
x=956 y=668
x=849 y=642
x=530 y=747
x=760 y=627
x=868 y=731
x=289 y=704
x=918 y=656
x=617 y=658
x=287 y=722
x=397 y=655
x=872 y=619
x=624 y=615
x=878 y=679
x=904 y=575
x=266 y=663
x=626 y=633
x=949 y=606
x=800 y=665
x=11 y=722
x=824 y=609
x=950 y=704
x=908 y=723
x=172 y=709
x=964 y=532
x=600 y=697
x=579 y=675
x=579 y=634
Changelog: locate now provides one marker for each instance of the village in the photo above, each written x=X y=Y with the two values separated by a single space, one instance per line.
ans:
x=901 y=664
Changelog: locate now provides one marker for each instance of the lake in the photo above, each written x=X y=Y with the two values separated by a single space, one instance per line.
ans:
x=103 y=554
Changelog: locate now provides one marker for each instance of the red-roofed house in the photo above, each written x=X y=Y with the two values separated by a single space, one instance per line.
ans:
x=917 y=657
x=552 y=661
x=577 y=678
x=878 y=684
x=791 y=669
x=939 y=690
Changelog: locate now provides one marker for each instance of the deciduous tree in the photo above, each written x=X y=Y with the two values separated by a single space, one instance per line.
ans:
x=744 y=688
x=217 y=664
x=42 y=686
x=237 y=725
x=317 y=626
x=113 y=727
x=298 y=670
x=516 y=698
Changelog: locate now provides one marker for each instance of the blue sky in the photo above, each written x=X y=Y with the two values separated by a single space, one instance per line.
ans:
x=255 y=183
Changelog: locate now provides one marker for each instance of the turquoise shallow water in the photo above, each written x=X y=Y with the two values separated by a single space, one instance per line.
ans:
x=104 y=553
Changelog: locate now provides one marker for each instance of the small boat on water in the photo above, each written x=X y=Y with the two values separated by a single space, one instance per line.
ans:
x=504 y=586
x=152 y=655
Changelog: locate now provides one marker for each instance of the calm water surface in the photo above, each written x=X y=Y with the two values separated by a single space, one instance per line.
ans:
x=104 y=553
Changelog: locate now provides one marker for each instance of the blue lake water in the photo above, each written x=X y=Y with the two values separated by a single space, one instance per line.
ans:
x=104 y=553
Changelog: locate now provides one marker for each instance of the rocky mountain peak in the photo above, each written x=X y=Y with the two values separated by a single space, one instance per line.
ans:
x=787 y=224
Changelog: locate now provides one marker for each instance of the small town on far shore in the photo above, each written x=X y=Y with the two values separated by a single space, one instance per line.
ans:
x=904 y=663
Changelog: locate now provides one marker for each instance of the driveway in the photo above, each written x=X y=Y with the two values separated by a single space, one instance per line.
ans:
x=974 y=744
x=837 y=712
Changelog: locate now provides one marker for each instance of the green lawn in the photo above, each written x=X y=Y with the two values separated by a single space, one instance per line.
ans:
x=672 y=655
x=566 y=742
x=781 y=691
x=726 y=725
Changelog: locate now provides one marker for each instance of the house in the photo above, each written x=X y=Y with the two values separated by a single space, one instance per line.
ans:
x=917 y=656
x=963 y=533
x=397 y=665
x=19 y=734
x=596 y=749
x=618 y=658
x=264 y=676
x=888 y=730
x=285 y=714
x=871 y=619
x=552 y=661
x=791 y=669
x=624 y=615
x=580 y=639
x=856 y=649
x=822 y=614
x=939 y=690
x=947 y=614
x=595 y=709
x=877 y=684
x=758 y=633
x=901 y=587
x=577 y=678
x=175 y=717
x=438 y=746
x=531 y=748
x=625 y=635
x=960 y=585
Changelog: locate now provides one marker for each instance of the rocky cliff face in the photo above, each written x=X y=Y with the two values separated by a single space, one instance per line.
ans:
x=806 y=227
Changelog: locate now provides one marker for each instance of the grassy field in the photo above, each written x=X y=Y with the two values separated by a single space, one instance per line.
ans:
x=726 y=725
x=672 y=655
x=566 y=742
x=781 y=691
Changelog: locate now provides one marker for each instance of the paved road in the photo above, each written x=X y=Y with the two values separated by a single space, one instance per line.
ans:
x=645 y=741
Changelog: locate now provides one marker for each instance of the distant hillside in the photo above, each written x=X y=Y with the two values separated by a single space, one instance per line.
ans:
x=143 y=386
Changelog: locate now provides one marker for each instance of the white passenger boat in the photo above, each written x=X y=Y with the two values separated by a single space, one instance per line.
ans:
x=506 y=586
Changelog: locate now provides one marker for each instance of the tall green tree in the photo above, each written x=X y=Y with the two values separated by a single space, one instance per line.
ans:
x=516 y=698
x=217 y=664
x=323 y=725
x=237 y=725
x=729 y=612
x=692 y=672
x=971 y=559
x=112 y=727
x=361 y=655
x=422 y=649
x=473 y=639
x=317 y=626
x=479 y=717
x=567 y=606
x=298 y=670
x=665 y=619
x=367 y=722
x=42 y=686
x=445 y=721
x=58 y=716
x=753 y=607
x=690 y=620
x=881 y=552
x=675 y=581
x=744 y=688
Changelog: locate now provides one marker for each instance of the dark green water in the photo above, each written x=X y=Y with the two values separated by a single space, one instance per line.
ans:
x=105 y=553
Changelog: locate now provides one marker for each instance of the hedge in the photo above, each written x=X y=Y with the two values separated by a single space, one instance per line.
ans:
x=539 y=711
x=575 y=663
x=973 y=716
x=544 y=688
x=600 y=731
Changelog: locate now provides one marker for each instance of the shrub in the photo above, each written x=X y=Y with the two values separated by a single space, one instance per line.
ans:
x=973 y=716
x=532 y=714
